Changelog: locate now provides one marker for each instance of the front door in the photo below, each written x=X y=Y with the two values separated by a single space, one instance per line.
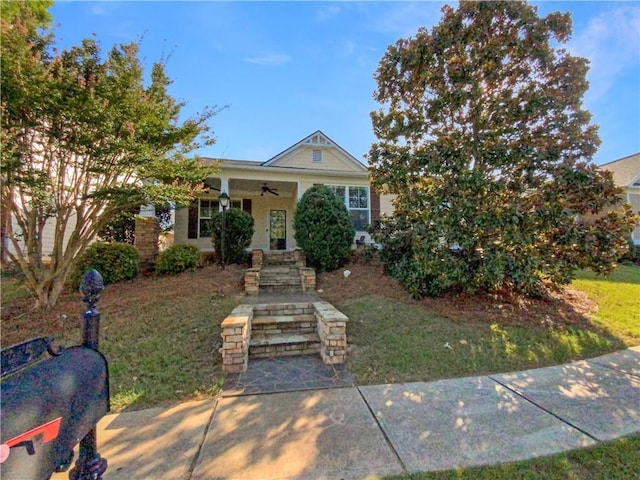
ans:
x=277 y=229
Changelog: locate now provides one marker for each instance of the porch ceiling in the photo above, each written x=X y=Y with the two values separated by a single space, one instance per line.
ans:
x=245 y=187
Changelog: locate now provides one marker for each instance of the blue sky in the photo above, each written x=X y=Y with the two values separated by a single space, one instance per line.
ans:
x=286 y=69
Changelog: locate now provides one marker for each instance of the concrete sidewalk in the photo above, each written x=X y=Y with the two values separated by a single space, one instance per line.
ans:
x=373 y=431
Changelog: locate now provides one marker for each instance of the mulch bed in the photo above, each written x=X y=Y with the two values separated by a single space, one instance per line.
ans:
x=367 y=277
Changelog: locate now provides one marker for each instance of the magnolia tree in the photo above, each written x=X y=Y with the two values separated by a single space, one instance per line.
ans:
x=482 y=137
x=84 y=138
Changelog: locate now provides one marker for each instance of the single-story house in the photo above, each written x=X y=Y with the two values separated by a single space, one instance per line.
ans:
x=626 y=174
x=269 y=190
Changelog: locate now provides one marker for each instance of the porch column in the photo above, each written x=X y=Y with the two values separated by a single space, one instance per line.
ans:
x=299 y=191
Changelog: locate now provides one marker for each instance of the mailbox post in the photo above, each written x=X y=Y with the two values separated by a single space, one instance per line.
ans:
x=90 y=465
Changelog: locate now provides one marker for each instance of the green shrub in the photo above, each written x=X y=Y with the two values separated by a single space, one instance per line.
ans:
x=177 y=259
x=114 y=261
x=238 y=232
x=428 y=266
x=323 y=228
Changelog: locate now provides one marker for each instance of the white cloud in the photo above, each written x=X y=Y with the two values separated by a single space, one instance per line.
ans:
x=327 y=12
x=611 y=42
x=269 y=59
x=363 y=55
x=97 y=10
x=403 y=19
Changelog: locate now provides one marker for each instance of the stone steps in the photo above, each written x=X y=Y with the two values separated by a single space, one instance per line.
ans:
x=266 y=345
x=281 y=258
x=282 y=328
x=277 y=324
x=278 y=271
x=280 y=279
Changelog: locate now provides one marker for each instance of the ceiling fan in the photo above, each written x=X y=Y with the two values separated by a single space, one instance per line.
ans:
x=266 y=189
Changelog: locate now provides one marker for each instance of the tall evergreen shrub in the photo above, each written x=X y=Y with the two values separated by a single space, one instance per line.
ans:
x=238 y=232
x=323 y=228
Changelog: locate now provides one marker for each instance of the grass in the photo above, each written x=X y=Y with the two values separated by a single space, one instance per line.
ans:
x=166 y=353
x=618 y=299
x=615 y=460
x=396 y=342
x=400 y=341
x=13 y=290
x=160 y=335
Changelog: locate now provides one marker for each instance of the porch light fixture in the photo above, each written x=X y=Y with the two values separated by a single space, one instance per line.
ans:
x=224 y=200
x=224 y=203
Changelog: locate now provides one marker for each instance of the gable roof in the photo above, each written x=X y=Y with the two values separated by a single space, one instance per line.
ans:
x=626 y=170
x=316 y=140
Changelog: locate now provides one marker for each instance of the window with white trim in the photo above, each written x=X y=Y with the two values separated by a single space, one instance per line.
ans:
x=208 y=207
x=356 y=199
x=316 y=156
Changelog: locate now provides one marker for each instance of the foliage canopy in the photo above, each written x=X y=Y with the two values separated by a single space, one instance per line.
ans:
x=323 y=228
x=238 y=232
x=482 y=137
x=115 y=262
x=84 y=138
x=177 y=259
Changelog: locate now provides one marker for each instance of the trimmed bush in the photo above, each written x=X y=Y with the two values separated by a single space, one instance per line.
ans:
x=177 y=259
x=323 y=228
x=238 y=232
x=115 y=262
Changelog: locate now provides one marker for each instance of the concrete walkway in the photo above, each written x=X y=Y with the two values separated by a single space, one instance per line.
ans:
x=373 y=431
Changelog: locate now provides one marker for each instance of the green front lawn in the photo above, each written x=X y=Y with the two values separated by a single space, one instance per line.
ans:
x=401 y=341
x=398 y=342
x=162 y=335
x=616 y=460
x=618 y=299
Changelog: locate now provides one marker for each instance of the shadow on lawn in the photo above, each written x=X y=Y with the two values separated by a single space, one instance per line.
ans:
x=393 y=341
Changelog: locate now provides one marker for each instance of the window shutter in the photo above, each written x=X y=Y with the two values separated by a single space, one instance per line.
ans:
x=375 y=205
x=192 y=229
x=246 y=205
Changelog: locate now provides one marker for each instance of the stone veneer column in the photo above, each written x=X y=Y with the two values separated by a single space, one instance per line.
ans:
x=252 y=281
x=300 y=258
x=308 y=279
x=146 y=240
x=256 y=258
x=332 y=329
x=236 y=335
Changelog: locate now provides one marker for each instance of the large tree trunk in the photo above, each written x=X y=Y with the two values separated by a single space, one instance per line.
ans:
x=48 y=292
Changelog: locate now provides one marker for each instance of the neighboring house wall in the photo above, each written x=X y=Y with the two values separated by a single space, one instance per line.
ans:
x=633 y=198
x=626 y=174
x=48 y=236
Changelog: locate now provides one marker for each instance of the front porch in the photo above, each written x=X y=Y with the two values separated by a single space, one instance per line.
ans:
x=271 y=204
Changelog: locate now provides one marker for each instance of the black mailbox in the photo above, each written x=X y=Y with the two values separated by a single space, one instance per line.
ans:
x=50 y=401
